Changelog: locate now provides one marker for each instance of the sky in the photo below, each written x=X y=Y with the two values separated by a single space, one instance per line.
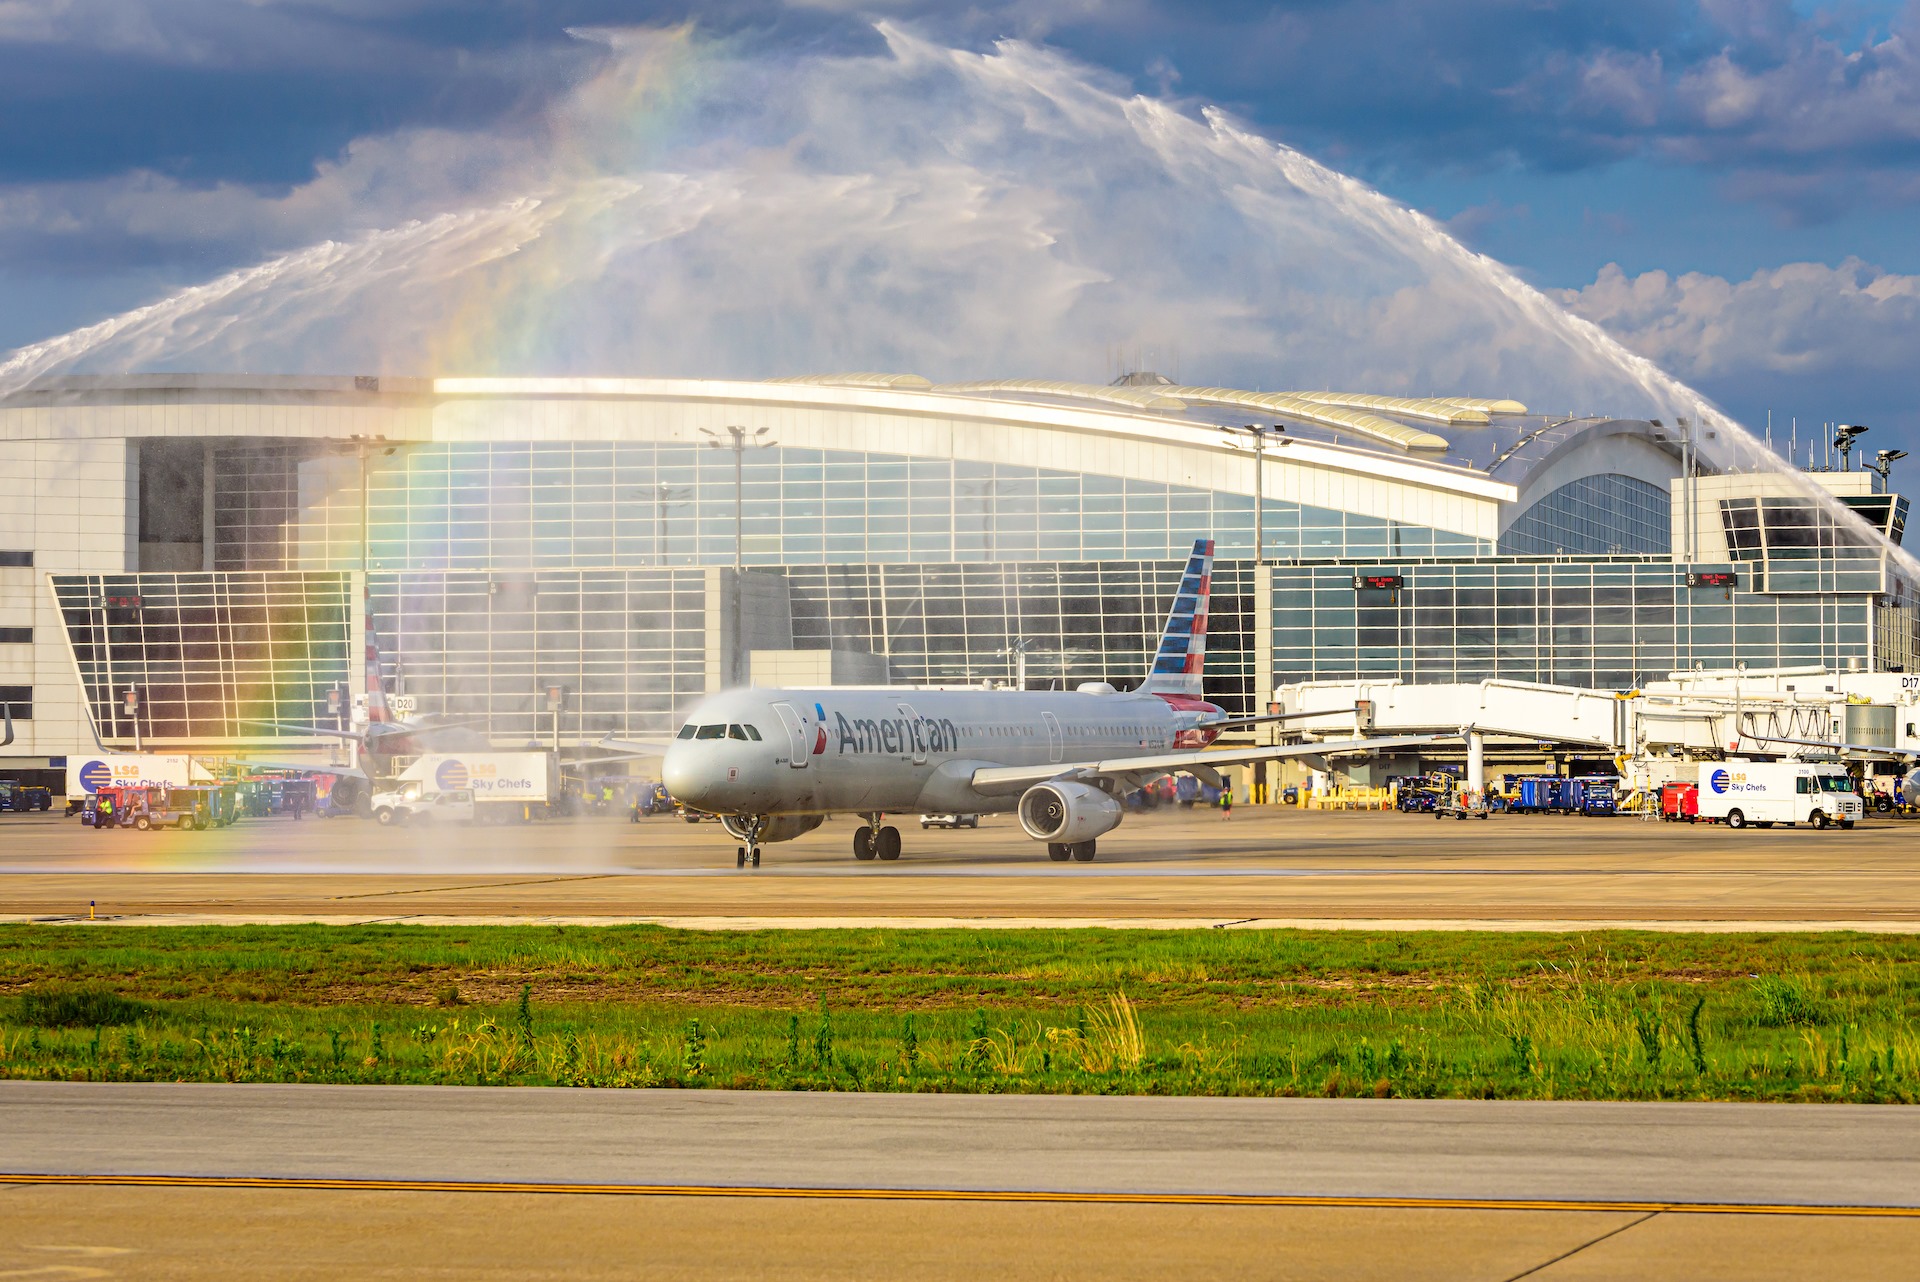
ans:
x=1728 y=188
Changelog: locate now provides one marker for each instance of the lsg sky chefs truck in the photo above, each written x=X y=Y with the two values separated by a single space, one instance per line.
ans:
x=1765 y=793
x=498 y=787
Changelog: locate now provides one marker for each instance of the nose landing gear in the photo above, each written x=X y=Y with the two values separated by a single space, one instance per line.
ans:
x=749 y=827
x=871 y=841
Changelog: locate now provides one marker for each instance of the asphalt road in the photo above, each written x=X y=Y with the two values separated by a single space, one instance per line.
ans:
x=1448 y=1149
x=1263 y=867
x=1640 y=1172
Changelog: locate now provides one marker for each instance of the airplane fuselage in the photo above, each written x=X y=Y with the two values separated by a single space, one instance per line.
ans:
x=865 y=751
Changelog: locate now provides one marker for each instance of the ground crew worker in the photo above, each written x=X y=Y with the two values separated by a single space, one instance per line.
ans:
x=1226 y=802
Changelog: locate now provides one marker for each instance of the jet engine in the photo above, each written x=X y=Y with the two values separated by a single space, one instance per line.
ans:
x=1064 y=812
x=1910 y=788
x=776 y=828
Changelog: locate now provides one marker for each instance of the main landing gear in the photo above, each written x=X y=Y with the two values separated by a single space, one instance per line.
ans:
x=871 y=841
x=1081 y=852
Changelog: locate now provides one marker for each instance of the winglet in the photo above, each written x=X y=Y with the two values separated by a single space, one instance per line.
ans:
x=1183 y=643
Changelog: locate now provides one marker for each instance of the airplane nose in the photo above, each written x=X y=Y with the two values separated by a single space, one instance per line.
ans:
x=684 y=782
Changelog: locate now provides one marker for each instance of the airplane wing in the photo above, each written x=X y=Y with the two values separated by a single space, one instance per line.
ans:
x=354 y=735
x=304 y=767
x=993 y=780
x=631 y=748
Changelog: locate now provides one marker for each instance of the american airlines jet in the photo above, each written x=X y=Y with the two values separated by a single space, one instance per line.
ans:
x=775 y=764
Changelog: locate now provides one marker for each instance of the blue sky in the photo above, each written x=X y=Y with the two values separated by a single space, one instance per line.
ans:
x=1730 y=187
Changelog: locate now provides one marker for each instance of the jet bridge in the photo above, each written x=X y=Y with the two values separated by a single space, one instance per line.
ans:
x=1691 y=716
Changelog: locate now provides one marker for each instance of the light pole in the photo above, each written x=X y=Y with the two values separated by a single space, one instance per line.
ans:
x=663 y=497
x=1259 y=434
x=739 y=442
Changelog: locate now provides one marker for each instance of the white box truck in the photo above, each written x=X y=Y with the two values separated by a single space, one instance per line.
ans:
x=499 y=785
x=88 y=775
x=1765 y=793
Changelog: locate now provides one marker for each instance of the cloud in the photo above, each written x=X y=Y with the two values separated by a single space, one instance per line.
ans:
x=695 y=208
x=1802 y=319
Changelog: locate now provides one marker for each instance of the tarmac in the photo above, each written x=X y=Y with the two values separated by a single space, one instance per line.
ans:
x=1266 y=867
x=144 y=1180
x=138 y=1181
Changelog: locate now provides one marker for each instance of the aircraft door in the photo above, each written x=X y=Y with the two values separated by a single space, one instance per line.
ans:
x=1053 y=736
x=796 y=735
x=916 y=742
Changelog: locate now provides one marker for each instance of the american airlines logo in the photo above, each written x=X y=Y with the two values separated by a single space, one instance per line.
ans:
x=896 y=734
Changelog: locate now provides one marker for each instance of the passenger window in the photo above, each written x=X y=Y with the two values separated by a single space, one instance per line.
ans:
x=686 y=731
x=711 y=732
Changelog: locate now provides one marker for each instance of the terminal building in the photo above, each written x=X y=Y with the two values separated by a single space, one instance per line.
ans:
x=192 y=562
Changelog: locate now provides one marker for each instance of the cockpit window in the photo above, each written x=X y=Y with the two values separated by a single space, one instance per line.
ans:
x=737 y=731
x=686 y=731
x=752 y=733
x=711 y=732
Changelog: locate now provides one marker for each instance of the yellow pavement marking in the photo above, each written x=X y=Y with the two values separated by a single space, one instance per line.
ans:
x=956 y=1195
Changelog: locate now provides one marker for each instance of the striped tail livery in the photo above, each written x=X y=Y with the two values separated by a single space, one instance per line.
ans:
x=1183 y=645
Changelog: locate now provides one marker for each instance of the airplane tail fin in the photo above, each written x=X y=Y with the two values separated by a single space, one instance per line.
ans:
x=1183 y=643
x=376 y=678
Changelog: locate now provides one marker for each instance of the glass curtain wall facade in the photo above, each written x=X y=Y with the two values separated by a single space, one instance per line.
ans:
x=629 y=647
x=581 y=505
x=498 y=570
x=1083 y=621
x=212 y=656
x=1595 y=516
x=1610 y=623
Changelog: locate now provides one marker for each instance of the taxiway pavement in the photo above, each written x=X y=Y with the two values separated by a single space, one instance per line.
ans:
x=1264 y=867
x=305 y=1181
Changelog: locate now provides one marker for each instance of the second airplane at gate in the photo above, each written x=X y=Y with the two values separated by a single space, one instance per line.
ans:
x=775 y=764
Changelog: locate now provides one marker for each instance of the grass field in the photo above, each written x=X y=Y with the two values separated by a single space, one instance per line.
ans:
x=1614 y=1015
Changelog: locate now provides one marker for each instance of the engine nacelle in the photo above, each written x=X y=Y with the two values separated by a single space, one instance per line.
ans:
x=777 y=828
x=1910 y=788
x=1067 y=812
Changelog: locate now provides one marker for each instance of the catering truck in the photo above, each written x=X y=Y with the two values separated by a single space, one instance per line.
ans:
x=88 y=775
x=501 y=786
x=1765 y=793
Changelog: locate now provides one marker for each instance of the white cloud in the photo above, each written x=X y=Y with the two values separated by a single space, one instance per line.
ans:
x=956 y=214
x=1803 y=319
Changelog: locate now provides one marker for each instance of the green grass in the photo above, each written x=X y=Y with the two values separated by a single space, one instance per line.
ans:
x=1611 y=1015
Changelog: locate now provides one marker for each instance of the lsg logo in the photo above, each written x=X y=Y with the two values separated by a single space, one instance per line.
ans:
x=1719 y=781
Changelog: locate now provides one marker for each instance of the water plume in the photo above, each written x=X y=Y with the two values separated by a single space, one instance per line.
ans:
x=698 y=209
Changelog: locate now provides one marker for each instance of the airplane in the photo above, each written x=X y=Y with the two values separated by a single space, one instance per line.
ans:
x=774 y=764
x=380 y=737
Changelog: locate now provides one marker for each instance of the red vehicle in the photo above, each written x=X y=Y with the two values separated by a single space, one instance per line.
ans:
x=149 y=806
x=1679 y=802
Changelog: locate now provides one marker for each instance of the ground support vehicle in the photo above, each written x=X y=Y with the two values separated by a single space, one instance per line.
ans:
x=87 y=775
x=504 y=787
x=949 y=821
x=1763 y=793
x=147 y=806
x=1544 y=795
x=1594 y=795
x=21 y=797
x=1679 y=802
x=410 y=805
